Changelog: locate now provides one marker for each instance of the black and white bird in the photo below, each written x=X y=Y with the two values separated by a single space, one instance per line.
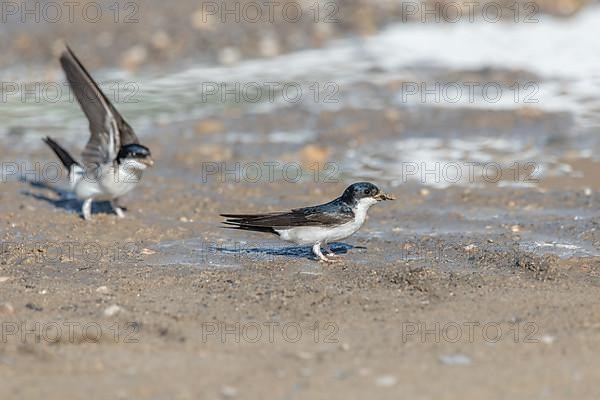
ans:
x=317 y=225
x=113 y=160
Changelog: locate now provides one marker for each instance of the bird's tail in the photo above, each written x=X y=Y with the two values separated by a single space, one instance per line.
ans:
x=62 y=154
x=244 y=222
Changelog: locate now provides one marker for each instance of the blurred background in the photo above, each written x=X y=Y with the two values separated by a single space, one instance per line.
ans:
x=384 y=90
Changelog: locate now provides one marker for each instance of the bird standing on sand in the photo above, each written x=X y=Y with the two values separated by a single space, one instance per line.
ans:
x=113 y=159
x=317 y=225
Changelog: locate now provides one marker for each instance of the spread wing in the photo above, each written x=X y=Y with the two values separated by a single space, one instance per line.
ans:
x=329 y=214
x=108 y=128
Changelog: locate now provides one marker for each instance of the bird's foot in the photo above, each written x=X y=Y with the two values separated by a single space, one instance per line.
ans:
x=329 y=253
x=118 y=210
x=322 y=258
x=120 y=213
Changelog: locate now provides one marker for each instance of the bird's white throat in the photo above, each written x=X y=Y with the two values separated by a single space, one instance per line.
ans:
x=360 y=210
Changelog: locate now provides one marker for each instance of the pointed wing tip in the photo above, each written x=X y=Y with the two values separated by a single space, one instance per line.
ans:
x=68 y=49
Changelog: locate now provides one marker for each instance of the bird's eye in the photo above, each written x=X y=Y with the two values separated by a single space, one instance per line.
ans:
x=367 y=191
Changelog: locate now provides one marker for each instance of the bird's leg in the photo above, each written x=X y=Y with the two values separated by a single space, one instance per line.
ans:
x=317 y=252
x=118 y=210
x=87 y=209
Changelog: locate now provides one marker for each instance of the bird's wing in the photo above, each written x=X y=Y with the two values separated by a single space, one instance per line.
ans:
x=108 y=128
x=324 y=215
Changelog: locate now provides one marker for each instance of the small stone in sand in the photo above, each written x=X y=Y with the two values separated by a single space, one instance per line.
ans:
x=134 y=57
x=102 y=289
x=229 y=392
x=210 y=126
x=6 y=309
x=385 y=381
x=4 y=279
x=112 y=310
x=229 y=55
x=304 y=355
x=34 y=307
x=470 y=247
x=314 y=154
x=455 y=359
x=547 y=339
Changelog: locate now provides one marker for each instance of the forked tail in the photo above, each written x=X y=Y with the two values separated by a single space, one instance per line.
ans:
x=64 y=156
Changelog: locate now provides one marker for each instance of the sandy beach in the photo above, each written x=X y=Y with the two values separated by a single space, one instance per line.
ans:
x=480 y=281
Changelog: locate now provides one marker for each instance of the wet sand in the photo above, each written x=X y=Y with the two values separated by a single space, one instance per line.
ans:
x=467 y=289
x=502 y=319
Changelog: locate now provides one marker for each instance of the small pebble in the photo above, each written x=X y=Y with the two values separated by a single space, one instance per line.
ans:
x=161 y=40
x=112 y=310
x=547 y=339
x=4 y=279
x=229 y=392
x=515 y=228
x=134 y=57
x=269 y=46
x=424 y=192
x=385 y=381
x=470 y=247
x=34 y=307
x=341 y=374
x=455 y=359
x=229 y=55
x=102 y=289
x=202 y=21
x=304 y=355
x=6 y=309
x=587 y=191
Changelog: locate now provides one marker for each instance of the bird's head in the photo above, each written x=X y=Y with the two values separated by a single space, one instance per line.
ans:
x=364 y=193
x=135 y=155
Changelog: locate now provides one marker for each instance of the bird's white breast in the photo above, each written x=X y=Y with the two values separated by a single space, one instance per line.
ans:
x=109 y=184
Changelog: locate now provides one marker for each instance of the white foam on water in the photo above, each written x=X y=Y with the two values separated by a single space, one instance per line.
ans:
x=444 y=162
x=563 y=52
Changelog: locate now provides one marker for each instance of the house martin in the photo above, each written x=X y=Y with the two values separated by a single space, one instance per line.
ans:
x=113 y=160
x=317 y=225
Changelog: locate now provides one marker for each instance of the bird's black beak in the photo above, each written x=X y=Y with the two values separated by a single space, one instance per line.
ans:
x=384 y=196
